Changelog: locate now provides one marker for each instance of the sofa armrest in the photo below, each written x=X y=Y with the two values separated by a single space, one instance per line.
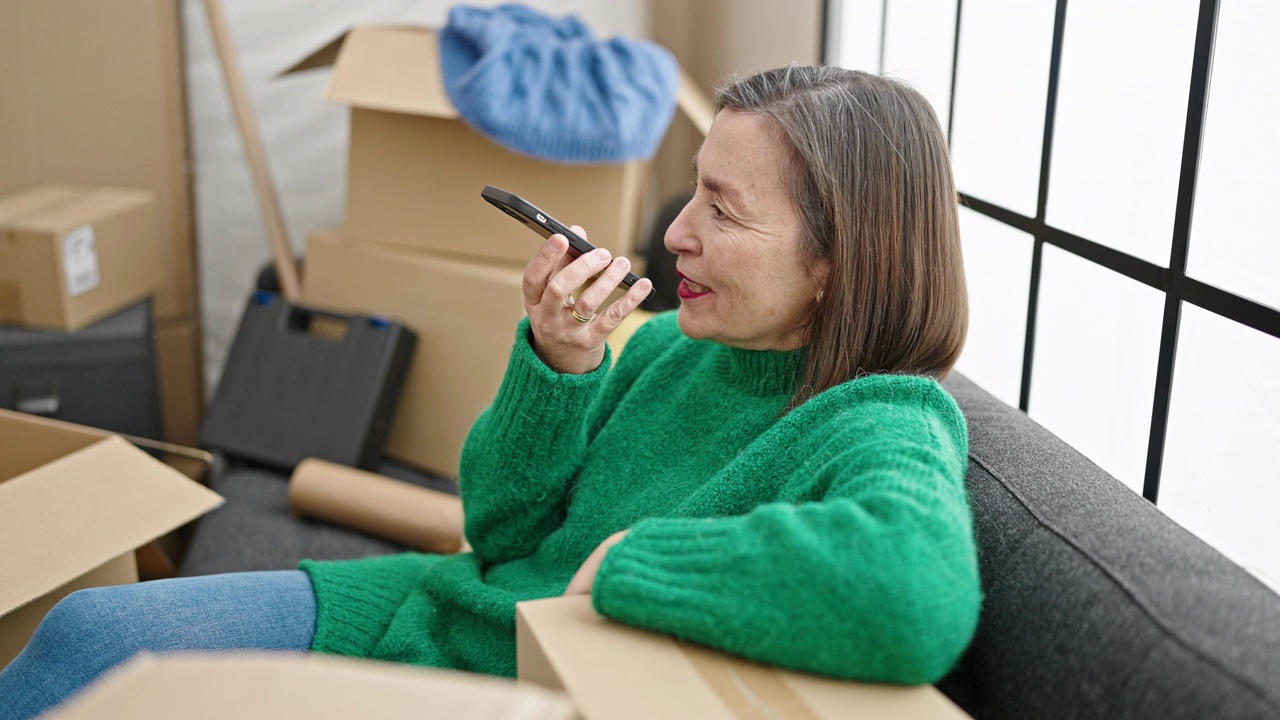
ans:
x=1097 y=603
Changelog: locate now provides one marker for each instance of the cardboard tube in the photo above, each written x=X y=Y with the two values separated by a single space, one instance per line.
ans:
x=421 y=518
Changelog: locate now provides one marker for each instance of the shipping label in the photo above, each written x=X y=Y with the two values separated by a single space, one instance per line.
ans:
x=80 y=261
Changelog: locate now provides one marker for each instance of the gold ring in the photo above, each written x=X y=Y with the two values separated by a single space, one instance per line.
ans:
x=580 y=318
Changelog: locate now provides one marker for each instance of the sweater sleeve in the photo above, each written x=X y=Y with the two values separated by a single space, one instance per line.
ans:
x=875 y=580
x=522 y=453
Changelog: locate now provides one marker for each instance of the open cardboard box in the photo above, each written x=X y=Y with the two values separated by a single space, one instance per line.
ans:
x=615 y=672
x=284 y=686
x=75 y=503
x=415 y=169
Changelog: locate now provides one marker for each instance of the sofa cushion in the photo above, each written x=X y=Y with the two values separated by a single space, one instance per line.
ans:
x=1096 y=603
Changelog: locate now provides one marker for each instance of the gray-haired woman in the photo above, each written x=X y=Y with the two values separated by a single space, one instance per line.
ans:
x=773 y=470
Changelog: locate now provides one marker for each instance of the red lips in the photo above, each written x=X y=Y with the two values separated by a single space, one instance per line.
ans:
x=688 y=289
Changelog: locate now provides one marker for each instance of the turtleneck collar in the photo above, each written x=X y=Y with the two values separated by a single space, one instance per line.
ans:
x=762 y=372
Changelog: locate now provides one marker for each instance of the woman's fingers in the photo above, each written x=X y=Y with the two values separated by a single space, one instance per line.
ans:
x=559 y=294
x=568 y=332
x=613 y=315
x=563 y=283
x=592 y=300
x=550 y=259
x=585 y=578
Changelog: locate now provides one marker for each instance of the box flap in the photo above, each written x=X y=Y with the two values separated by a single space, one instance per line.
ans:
x=615 y=672
x=324 y=57
x=18 y=207
x=71 y=515
x=85 y=205
x=288 y=685
x=396 y=69
x=28 y=441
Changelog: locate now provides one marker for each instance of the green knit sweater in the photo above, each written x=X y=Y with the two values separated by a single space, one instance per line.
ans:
x=834 y=539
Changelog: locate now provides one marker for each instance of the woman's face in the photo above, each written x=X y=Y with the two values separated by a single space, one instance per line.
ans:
x=739 y=242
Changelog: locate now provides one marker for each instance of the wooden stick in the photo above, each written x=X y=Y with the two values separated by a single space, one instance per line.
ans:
x=694 y=103
x=268 y=202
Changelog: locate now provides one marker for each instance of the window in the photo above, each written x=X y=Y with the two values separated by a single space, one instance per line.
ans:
x=1117 y=223
x=997 y=266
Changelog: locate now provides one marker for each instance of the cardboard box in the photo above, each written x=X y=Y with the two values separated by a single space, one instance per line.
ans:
x=285 y=686
x=93 y=94
x=74 y=504
x=70 y=255
x=464 y=313
x=415 y=169
x=716 y=41
x=615 y=672
x=181 y=367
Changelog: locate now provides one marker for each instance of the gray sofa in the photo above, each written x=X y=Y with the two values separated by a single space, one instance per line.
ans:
x=1097 y=605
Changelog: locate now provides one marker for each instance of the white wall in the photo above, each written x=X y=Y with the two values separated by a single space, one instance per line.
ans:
x=1113 y=179
x=305 y=139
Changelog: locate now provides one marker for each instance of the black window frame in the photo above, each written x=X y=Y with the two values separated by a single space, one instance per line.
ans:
x=1173 y=281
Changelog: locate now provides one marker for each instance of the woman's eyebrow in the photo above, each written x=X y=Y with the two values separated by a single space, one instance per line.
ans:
x=724 y=190
x=719 y=187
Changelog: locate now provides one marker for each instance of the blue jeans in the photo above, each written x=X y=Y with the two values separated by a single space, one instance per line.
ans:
x=93 y=630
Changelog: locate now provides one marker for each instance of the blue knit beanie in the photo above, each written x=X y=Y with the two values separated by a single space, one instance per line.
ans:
x=545 y=87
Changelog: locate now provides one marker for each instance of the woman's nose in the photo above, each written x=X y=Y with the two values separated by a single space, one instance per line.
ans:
x=679 y=238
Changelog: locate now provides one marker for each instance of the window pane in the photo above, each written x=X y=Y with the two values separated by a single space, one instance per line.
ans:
x=1094 y=370
x=1002 y=76
x=1221 y=475
x=1121 y=114
x=854 y=33
x=919 y=37
x=997 y=268
x=1235 y=240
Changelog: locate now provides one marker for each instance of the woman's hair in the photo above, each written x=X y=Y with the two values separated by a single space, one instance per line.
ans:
x=871 y=180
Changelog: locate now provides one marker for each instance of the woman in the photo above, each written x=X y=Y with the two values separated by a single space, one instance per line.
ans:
x=773 y=471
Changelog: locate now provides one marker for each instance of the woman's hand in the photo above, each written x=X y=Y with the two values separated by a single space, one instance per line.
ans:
x=568 y=332
x=585 y=578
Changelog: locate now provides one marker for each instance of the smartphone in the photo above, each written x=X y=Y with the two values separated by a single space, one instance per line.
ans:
x=543 y=224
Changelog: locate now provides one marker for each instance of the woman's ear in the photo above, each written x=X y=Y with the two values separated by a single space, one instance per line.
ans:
x=819 y=271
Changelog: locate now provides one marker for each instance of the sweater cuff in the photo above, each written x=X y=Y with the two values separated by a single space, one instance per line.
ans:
x=357 y=600
x=668 y=574
x=529 y=382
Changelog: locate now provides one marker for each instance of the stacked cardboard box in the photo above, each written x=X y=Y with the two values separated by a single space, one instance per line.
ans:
x=93 y=94
x=464 y=313
x=73 y=255
x=421 y=245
